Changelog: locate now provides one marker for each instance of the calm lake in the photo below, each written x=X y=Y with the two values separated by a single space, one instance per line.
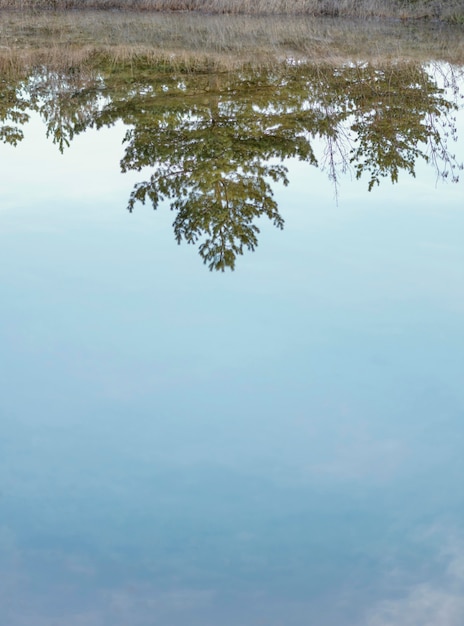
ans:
x=246 y=406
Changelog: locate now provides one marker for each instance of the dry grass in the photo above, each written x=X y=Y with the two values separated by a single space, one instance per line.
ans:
x=444 y=9
x=192 y=41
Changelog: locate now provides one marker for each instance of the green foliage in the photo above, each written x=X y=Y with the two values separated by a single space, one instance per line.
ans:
x=14 y=110
x=217 y=143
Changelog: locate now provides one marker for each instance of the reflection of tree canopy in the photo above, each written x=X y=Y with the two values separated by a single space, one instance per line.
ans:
x=215 y=143
x=14 y=106
x=67 y=102
x=213 y=158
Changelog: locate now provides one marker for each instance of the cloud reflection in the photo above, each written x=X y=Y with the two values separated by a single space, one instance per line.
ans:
x=427 y=603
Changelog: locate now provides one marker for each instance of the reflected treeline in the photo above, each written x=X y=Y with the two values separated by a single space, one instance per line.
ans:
x=215 y=143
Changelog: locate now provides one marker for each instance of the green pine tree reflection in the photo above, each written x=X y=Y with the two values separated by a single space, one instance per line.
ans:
x=216 y=144
x=215 y=160
x=15 y=106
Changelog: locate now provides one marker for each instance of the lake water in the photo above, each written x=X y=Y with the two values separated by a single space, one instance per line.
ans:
x=276 y=445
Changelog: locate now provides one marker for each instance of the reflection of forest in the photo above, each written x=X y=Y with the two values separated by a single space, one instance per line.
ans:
x=216 y=142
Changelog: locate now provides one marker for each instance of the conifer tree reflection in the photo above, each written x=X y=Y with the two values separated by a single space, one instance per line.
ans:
x=213 y=142
x=15 y=107
x=397 y=119
x=216 y=144
x=214 y=160
x=68 y=101
x=385 y=119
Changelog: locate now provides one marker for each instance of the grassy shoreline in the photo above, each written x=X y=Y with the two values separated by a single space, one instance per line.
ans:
x=197 y=42
x=450 y=10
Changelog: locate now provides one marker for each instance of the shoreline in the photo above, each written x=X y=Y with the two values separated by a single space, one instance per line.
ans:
x=193 y=41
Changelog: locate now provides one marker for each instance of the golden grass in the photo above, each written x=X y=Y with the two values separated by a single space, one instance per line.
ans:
x=194 y=42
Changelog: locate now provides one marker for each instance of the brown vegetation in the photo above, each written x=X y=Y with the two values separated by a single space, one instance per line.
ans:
x=194 y=41
x=404 y=9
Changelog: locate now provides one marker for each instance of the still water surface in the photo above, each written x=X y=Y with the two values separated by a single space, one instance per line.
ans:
x=275 y=445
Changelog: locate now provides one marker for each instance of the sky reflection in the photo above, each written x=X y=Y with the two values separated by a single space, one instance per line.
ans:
x=278 y=445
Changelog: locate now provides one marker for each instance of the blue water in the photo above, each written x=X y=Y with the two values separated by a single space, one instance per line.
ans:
x=279 y=445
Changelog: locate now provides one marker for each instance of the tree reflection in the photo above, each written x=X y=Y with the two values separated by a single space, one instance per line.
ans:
x=396 y=122
x=15 y=105
x=214 y=160
x=215 y=144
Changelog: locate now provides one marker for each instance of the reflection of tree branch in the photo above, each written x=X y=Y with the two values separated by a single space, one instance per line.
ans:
x=335 y=156
x=376 y=120
x=391 y=129
x=442 y=129
x=14 y=106
x=65 y=102
x=177 y=173
x=445 y=164
x=212 y=141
